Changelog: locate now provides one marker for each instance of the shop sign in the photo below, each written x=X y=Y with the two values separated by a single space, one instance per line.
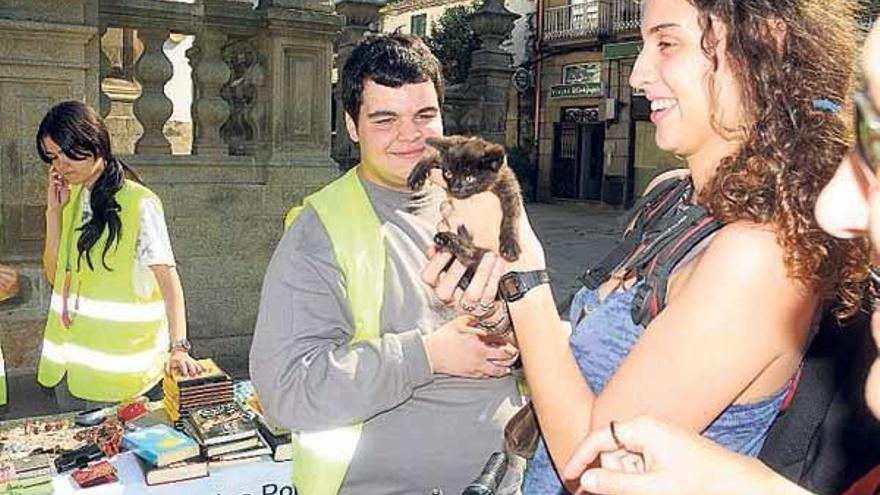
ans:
x=584 y=90
x=522 y=79
x=613 y=51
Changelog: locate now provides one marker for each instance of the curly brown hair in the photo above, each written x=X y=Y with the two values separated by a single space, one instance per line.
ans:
x=785 y=54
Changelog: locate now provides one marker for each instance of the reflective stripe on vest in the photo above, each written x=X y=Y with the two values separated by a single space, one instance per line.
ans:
x=321 y=459
x=3 y=397
x=2 y=380
x=117 y=343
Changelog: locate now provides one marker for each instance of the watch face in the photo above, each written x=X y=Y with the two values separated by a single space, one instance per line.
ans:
x=510 y=286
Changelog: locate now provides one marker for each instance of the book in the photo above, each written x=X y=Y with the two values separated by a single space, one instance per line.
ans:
x=228 y=447
x=211 y=373
x=221 y=423
x=32 y=466
x=196 y=467
x=221 y=463
x=41 y=485
x=156 y=415
x=160 y=444
x=217 y=449
x=277 y=438
x=260 y=450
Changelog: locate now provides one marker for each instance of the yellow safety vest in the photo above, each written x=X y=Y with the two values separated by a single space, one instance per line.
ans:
x=321 y=459
x=117 y=343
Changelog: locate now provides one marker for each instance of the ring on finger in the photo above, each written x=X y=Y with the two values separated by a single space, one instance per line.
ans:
x=466 y=305
x=486 y=307
x=614 y=436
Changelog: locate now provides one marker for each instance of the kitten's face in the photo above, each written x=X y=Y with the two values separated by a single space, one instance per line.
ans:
x=470 y=165
x=464 y=179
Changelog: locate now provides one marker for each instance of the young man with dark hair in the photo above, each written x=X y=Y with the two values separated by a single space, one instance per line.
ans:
x=390 y=390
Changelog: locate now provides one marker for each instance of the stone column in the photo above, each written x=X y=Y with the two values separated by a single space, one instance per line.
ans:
x=103 y=72
x=489 y=78
x=153 y=108
x=293 y=100
x=210 y=111
x=361 y=17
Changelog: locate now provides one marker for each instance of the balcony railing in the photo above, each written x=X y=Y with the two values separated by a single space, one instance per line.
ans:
x=590 y=19
x=571 y=21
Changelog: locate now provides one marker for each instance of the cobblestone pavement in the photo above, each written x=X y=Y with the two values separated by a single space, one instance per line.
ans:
x=574 y=235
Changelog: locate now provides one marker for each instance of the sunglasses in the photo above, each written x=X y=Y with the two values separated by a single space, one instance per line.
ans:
x=867 y=128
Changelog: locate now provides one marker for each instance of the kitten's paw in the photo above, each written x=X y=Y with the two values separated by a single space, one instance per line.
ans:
x=509 y=250
x=445 y=240
x=415 y=181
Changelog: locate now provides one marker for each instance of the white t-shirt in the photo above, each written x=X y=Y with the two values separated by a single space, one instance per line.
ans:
x=153 y=245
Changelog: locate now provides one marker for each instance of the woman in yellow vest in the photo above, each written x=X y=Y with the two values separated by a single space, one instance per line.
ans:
x=116 y=315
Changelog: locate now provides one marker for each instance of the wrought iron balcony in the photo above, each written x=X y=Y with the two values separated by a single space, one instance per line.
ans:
x=591 y=19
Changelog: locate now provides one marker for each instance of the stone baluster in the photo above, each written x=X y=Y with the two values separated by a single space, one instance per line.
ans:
x=210 y=110
x=104 y=102
x=153 y=108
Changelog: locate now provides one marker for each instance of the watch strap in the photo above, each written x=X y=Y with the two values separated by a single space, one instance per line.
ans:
x=514 y=285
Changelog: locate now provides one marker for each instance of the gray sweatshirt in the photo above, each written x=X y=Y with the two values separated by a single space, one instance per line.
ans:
x=421 y=430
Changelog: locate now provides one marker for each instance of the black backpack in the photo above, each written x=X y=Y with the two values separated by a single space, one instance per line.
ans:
x=827 y=438
x=663 y=229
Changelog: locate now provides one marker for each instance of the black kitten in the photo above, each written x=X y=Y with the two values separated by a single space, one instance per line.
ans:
x=470 y=166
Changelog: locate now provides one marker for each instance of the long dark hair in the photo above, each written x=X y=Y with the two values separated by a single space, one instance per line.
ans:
x=80 y=133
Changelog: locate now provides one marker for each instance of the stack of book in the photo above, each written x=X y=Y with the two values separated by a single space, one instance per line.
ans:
x=225 y=434
x=279 y=439
x=183 y=394
x=167 y=454
x=30 y=475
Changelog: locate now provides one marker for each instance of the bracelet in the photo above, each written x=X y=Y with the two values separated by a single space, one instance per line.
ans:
x=180 y=345
x=500 y=326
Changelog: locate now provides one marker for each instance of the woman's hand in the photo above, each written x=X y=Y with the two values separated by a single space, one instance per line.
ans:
x=654 y=458
x=183 y=363
x=57 y=192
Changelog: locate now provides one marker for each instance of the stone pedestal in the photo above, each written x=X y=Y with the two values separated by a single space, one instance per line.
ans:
x=361 y=17
x=293 y=102
x=479 y=106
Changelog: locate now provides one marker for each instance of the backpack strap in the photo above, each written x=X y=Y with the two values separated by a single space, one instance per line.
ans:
x=689 y=230
x=650 y=208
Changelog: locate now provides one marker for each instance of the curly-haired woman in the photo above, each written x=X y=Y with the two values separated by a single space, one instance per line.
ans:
x=117 y=307
x=745 y=92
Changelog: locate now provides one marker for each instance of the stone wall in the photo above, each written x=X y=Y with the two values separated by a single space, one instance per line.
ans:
x=46 y=53
x=225 y=219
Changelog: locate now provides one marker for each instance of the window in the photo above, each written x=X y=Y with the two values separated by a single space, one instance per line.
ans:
x=418 y=24
x=586 y=73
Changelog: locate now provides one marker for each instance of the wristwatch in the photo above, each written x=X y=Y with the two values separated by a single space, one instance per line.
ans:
x=180 y=345
x=514 y=285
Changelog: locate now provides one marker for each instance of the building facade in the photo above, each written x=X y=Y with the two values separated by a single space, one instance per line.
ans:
x=595 y=140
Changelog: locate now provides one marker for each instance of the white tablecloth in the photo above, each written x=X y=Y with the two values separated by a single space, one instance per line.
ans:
x=263 y=477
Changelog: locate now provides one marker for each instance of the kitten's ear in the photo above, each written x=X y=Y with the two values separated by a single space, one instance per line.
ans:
x=440 y=143
x=494 y=155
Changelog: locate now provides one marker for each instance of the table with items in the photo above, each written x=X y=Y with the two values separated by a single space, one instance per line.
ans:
x=207 y=436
